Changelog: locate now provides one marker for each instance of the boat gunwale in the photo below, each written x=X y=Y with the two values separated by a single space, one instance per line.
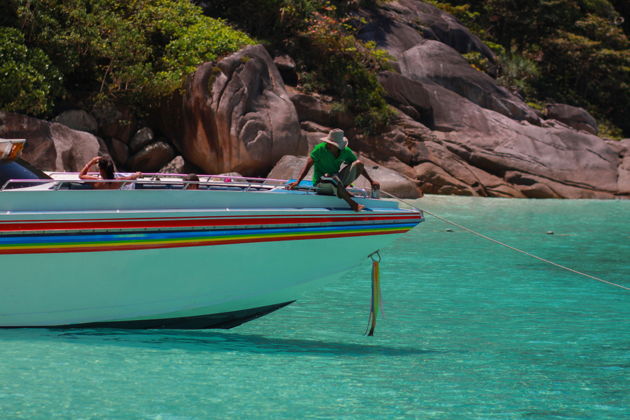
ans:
x=154 y=181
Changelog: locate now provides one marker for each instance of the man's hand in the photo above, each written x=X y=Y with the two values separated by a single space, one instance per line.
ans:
x=292 y=185
x=376 y=185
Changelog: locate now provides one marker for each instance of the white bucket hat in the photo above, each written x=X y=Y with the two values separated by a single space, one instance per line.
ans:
x=336 y=138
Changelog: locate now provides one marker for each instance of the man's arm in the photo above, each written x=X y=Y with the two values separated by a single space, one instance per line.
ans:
x=307 y=166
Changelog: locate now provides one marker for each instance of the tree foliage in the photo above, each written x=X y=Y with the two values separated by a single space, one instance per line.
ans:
x=346 y=68
x=130 y=52
x=28 y=80
x=137 y=51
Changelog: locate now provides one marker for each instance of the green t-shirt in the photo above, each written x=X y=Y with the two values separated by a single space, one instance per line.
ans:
x=324 y=162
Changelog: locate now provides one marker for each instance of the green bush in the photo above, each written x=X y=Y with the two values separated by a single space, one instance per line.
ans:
x=602 y=81
x=518 y=73
x=131 y=52
x=463 y=12
x=28 y=80
x=345 y=67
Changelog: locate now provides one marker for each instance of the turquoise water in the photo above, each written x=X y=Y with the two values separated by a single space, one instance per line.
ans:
x=472 y=330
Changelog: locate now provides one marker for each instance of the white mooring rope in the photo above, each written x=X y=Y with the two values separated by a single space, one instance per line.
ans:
x=506 y=245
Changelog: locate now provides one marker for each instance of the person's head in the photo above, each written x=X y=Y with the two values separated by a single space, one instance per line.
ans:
x=335 y=138
x=106 y=168
x=192 y=180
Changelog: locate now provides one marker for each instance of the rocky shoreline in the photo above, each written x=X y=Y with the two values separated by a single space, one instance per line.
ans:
x=456 y=131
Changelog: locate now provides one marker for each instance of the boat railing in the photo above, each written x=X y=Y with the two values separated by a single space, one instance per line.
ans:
x=158 y=181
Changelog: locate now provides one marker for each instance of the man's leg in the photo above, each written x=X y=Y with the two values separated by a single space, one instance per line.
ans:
x=344 y=194
x=347 y=176
x=351 y=172
x=334 y=186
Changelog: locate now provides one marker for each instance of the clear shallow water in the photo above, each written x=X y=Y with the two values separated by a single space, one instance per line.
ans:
x=472 y=330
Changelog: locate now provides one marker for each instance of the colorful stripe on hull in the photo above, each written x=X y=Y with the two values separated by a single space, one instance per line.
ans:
x=99 y=242
x=69 y=225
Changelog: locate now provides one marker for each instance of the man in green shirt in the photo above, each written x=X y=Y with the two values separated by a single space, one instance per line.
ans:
x=327 y=158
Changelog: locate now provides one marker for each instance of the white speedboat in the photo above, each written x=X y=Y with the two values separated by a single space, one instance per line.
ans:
x=163 y=256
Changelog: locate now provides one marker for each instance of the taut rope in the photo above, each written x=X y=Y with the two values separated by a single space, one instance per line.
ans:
x=506 y=245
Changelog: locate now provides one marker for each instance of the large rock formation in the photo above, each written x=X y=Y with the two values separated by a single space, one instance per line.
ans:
x=400 y=25
x=78 y=119
x=235 y=116
x=623 y=180
x=456 y=131
x=482 y=140
x=50 y=146
x=433 y=61
x=549 y=161
x=573 y=116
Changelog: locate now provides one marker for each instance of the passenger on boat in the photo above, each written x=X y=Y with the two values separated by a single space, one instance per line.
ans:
x=106 y=170
x=191 y=182
x=327 y=158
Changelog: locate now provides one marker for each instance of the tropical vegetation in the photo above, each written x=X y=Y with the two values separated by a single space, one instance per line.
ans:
x=89 y=51
x=55 y=52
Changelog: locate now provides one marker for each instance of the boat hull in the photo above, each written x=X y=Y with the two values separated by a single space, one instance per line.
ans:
x=224 y=320
x=205 y=265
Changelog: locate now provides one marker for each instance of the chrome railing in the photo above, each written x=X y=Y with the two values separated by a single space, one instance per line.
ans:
x=153 y=181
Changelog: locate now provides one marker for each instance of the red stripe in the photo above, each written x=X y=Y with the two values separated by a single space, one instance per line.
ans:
x=189 y=244
x=80 y=224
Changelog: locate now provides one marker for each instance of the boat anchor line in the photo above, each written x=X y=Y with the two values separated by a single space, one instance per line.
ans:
x=481 y=235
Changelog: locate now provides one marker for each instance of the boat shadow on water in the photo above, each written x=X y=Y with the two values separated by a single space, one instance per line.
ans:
x=208 y=341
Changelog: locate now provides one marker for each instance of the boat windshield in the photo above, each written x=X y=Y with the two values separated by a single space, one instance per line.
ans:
x=19 y=169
